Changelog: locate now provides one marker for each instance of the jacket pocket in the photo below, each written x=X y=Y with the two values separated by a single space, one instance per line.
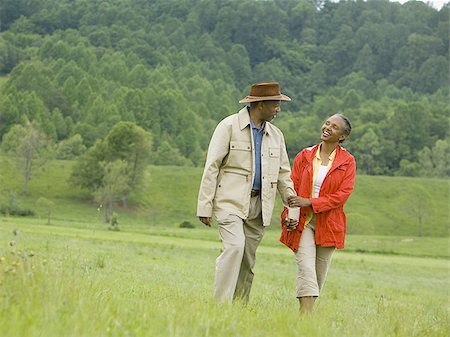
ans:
x=274 y=152
x=233 y=187
x=335 y=226
x=240 y=154
x=239 y=172
x=274 y=161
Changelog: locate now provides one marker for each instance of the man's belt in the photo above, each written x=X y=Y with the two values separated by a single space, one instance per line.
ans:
x=254 y=193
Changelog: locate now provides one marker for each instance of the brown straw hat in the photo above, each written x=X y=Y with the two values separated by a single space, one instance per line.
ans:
x=265 y=91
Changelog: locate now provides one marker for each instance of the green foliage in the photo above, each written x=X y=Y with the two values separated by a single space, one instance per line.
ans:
x=48 y=205
x=114 y=222
x=186 y=224
x=176 y=68
x=114 y=185
x=11 y=204
x=128 y=142
x=115 y=166
x=70 y=148
x=167 y=196
x=29 y=146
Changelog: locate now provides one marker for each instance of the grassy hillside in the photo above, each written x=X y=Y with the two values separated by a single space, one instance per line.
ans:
x=3 y=80
x=378 y=206
x=60 y=281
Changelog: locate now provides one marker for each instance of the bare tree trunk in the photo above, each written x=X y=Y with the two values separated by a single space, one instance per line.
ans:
x=26 y=174
x=420 y=217
x=108 y=209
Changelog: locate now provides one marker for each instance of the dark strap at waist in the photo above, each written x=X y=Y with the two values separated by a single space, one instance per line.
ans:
x=254 y=193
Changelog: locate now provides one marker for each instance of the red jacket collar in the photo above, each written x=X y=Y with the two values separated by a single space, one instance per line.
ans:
x=341 y=157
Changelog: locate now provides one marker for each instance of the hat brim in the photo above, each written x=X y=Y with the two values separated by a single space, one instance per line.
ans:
x=249 y=99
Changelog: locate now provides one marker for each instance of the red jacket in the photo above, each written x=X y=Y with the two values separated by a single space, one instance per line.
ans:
x=329 y=206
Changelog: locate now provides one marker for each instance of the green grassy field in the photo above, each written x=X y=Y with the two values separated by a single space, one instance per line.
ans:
x=379 y=205
x=65 y=281
x=152 y=278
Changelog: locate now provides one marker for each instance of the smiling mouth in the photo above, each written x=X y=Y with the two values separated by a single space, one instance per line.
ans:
x=326 y=133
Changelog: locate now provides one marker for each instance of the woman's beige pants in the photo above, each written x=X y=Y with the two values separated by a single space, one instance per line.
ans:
x=313 y=262
x=240 y=238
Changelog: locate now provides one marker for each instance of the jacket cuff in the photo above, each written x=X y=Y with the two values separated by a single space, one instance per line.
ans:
x=314 y=205
x=204 y=211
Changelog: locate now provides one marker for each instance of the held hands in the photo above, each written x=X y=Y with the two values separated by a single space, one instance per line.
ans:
x=290 y=224
x=296 y=201
x=206 y=220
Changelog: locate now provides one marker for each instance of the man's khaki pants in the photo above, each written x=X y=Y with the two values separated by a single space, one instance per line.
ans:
x=240 y=238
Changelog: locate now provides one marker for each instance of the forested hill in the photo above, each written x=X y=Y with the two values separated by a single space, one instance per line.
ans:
x=176 y=67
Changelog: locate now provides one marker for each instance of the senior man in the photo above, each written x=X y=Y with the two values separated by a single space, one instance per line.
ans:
x=245 y=165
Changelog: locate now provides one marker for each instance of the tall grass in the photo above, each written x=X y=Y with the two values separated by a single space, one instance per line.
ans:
x=57 y=281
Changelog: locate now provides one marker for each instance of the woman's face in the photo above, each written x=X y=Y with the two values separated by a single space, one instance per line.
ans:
x=333 y=130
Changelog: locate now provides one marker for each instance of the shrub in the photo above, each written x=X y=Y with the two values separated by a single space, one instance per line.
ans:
x=186 y=224
x=114 y=222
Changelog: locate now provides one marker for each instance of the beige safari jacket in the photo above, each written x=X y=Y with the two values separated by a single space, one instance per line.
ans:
x=230 y=168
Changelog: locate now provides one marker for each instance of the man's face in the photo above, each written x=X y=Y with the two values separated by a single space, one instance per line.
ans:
x=270 y=109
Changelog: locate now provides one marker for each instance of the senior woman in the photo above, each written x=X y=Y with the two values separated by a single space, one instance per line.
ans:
x=323 y=177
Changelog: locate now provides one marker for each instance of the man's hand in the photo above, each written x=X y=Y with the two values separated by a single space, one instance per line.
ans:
x=290 y=224
x=206 y=220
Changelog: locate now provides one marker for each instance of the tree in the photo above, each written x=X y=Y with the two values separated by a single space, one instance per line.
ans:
x=169 y=155
x=433 y=74
x=425 y=161
x=29 y=145
x=88 y=172
x=48 y=205
x=9 y=113
x=441 y=158
x=239 y=62
x=114 y=185
x=413 y=55
x=80 y=67
x=33 y=76
x=302 y=16
x=70 y=148
x=418 y=206
x=7 y=56
x=369 y=150
x=126 y=142
x=435 y=162
x=132 y=144
x=365 y=62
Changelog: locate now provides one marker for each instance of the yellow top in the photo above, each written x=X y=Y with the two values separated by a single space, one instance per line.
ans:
x=317 y=162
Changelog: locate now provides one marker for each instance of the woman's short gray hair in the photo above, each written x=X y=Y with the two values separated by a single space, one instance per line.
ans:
x=347 y=126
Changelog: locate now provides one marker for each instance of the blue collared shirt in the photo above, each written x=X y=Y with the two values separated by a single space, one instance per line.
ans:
x=257 y=140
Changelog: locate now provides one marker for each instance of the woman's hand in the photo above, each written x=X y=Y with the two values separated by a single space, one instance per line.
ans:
x=296 y=201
